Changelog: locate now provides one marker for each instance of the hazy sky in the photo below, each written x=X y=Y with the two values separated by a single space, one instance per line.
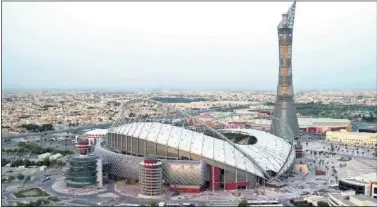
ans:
x=185 y=45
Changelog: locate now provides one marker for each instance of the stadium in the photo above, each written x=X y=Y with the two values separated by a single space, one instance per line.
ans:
x=191 y=157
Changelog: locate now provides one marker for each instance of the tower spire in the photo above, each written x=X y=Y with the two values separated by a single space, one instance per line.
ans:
x=288 y=18
x=291 y=15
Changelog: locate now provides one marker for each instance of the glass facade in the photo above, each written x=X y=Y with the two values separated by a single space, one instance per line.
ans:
x=359 y=189
x=82 y=171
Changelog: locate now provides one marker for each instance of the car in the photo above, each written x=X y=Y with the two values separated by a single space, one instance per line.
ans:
x=175 y=193
x=46 y=178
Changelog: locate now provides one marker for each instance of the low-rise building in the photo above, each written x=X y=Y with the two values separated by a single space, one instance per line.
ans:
x=95 y=135
x=363 y=184
x=352 y=138
x=55 y=156
x=44 y=156
x=374 y=190
x=315 y=199
x=311 y=125
x=349 y=198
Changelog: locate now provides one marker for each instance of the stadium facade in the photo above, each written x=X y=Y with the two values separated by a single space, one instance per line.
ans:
x=285 y=108
x=192 y=157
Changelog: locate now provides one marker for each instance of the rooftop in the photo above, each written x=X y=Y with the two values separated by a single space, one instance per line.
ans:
x=365 y=198
x=364 y=179
x=99 y=132
x=338 y=196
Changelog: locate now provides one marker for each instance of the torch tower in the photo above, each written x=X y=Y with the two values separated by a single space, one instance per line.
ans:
x=285 y=109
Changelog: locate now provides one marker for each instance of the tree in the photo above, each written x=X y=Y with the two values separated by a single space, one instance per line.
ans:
x=46 y=162
x=60 y=163
x=153 y=204
x=243 y=203
x=20 y=176
x=4 y=162
x=53 y=162
x=10 y=178
x=26 y=162
x=28 y=178
x=322 y=204
x=53 y=198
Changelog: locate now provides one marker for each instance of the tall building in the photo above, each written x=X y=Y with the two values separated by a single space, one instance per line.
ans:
x=285 y=109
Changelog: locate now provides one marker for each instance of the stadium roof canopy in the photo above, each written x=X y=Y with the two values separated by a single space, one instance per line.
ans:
x=269 y=152
x=96 y=132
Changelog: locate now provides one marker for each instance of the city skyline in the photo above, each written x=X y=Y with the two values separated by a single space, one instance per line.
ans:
x=237 y=51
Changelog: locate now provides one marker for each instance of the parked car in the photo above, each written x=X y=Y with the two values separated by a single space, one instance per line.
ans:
x=175 y=193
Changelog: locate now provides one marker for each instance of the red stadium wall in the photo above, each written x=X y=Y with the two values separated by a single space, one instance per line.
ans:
x=234 y=186
x=320 y=130
x=185 y=189
x=337 y=128
x=83 y=147
x=214 y=174
x=312 y=129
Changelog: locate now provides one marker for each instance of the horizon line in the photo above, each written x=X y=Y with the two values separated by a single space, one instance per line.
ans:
x=4 y=89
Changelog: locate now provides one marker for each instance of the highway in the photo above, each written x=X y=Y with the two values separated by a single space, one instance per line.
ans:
x=71 y=129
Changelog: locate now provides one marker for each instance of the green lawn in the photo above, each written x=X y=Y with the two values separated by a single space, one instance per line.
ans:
x=32 y=192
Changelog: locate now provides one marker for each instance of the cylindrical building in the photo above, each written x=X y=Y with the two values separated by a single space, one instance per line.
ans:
x=82 y=171
x=150 y=177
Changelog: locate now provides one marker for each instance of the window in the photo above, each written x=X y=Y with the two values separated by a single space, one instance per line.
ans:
x=359 y=189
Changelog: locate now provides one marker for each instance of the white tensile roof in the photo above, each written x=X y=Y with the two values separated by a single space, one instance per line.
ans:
x=270 y=151
x=96 y=132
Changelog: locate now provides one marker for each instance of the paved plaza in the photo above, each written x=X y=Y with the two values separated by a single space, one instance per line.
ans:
x=60 y=186
x=297 y=187
x=359 y=164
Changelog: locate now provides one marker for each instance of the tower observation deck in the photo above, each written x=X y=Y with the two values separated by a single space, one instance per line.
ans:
x=285 y=109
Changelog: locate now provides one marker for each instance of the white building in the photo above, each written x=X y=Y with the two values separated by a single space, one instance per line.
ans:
x=364 y=184
x=349 y=198
x=95 y=135
x=352 y=138
x=55 y=156
x=44 y=156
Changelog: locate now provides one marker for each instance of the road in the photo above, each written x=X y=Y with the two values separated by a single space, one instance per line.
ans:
x=71 y=129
